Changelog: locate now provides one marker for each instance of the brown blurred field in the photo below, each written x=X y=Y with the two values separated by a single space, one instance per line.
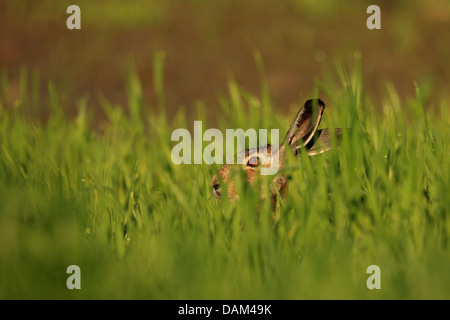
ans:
x=207 y=42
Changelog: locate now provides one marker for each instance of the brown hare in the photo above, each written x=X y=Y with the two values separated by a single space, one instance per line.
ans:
x=302 y=133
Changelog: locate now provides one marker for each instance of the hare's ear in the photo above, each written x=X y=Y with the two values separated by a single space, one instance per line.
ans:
x=324 y=140
x=305 y=124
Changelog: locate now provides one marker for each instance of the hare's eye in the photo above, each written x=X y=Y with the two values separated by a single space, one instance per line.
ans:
x=254 y=162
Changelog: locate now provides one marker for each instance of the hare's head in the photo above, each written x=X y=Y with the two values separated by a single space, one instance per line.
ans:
x=302 y=133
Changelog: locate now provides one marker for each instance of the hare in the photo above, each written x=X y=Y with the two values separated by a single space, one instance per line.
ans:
x=302 y=133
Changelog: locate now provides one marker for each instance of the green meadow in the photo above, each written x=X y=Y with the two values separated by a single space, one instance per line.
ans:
x=107 y=198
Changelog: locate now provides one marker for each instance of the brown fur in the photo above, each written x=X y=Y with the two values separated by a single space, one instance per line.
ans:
x=302 y=133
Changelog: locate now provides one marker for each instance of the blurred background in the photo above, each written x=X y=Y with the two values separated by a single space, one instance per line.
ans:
x=206 y=43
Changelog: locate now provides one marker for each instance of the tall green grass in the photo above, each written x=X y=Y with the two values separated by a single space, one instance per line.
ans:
x=112 y=202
